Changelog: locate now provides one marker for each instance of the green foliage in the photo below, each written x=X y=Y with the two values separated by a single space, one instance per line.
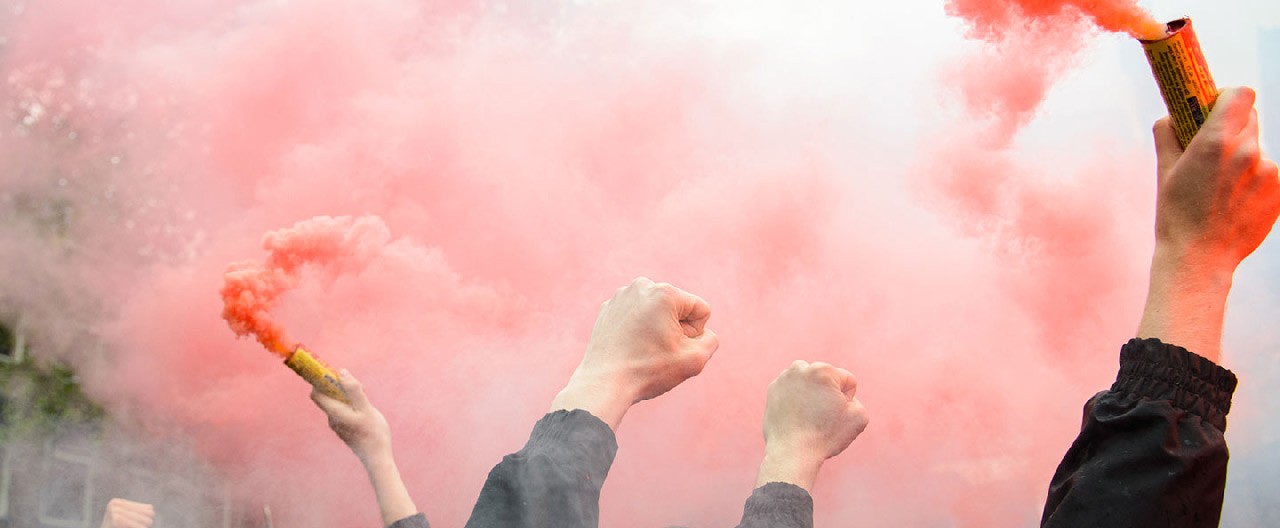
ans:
x=43 y=399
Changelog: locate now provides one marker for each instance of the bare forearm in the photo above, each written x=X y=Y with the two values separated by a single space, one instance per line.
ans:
x=790 y=468
x=1187 y=300
x=393 y=497
x=602 y=399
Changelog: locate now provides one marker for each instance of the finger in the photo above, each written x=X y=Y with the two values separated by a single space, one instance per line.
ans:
x=848 y=383
x=859 y=414
x=330 y=405
x=140 y=507
x=705 y=347
x=128 y=523
x=1249 y=134
x=133 y=516
x=1268 y=170
x=1248 y=150
x=692 y=311
x=119 y=504
x=354 y=389
x=1231 y=111
x=1168 y=150
x=143 y=511
x=121 y=519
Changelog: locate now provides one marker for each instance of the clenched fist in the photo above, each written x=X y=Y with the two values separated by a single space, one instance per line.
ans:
x=123 y=513
x=1219 y=198
x=647 y=339
x=1216 y=202
x=810 y=415
x=360 y=425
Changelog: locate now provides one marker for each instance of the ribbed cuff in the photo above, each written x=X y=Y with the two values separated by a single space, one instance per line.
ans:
x=1155 y=370
x=579 y=438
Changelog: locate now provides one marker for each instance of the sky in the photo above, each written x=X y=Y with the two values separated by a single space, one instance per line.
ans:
x=963 y=220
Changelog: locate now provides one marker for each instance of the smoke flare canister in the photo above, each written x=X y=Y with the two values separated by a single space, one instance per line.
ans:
x=318 y=374
x=1183 y=77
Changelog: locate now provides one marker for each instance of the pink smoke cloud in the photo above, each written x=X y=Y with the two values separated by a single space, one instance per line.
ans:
x=525 y=163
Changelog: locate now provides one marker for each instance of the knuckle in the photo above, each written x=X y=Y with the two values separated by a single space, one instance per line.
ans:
x=1248 y=155
x=664 y=291
x=696 y=365
x=1212 y=142
x=712 y=341
x=1268 y=169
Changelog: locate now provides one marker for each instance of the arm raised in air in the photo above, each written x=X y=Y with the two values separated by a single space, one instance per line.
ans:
x=648 y=338
x=810 y=415
x=365 y=430
x=1151 y=450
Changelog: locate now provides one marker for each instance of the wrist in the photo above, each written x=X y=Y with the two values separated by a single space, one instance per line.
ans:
x=1186 y=300
x=1192 y=265
x=790 y=465
x=393 y=497
x=377 y=456
x=605 y=399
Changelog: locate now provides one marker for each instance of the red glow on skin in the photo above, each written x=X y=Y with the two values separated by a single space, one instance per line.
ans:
x=526 y=175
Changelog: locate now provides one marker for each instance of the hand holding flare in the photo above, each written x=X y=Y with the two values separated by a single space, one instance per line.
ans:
x=251 y=288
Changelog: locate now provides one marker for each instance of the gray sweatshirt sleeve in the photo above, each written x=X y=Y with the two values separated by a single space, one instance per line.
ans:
x=778 y=505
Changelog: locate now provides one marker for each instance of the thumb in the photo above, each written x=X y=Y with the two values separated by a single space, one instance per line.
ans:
x=848 y=383
x=1168 y=150
x=355 y=390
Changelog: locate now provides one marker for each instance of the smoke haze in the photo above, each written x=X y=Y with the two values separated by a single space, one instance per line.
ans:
x=964 y=223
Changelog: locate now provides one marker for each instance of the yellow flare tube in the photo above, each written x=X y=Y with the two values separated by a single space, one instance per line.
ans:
x=318 y=374
x=1183 y=76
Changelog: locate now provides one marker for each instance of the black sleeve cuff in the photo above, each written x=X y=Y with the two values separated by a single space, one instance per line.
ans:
x=575 y=435
x=413 y=521
x=1151 y=369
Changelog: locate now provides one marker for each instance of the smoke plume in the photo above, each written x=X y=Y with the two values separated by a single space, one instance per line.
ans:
x=863 y=185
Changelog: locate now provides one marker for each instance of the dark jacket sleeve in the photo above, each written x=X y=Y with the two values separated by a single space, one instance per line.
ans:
x=778 y=505
x=413 y=521
x=554 y=481
x=1150 y=451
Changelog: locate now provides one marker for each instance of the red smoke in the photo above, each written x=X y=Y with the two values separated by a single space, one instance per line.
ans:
x=252 y=289
x=521 y=164
x=1000 y=18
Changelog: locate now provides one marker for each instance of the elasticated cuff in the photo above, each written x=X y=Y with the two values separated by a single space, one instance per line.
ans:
x=1155 y=370
x=575 y=436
